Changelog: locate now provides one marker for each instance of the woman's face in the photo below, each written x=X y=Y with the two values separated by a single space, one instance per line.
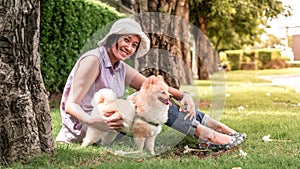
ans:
x=125 y=46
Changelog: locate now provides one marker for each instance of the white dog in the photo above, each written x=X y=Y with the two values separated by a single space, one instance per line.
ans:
x=143 y=113
x=104 y=100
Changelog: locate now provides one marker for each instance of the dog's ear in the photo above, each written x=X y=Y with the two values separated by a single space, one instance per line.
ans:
x=150 y=81
x=153 y=79
x=160 y=78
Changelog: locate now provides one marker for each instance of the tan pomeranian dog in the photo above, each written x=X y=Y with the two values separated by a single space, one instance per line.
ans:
x=143 y=114
x=152 y=104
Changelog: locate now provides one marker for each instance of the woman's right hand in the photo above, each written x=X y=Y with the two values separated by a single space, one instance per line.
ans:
x=108 y=122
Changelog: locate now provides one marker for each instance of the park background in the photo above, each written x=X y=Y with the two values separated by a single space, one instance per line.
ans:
x=253 y=105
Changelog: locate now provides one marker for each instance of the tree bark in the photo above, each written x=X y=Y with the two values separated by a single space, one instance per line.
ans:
x=207 y=55
x=25 y=122
x=166 y=23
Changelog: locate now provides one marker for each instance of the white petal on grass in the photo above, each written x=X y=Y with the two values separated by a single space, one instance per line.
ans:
x=119 y=152
x=243 y=153
x=268 y=94
x=299 y=104
x=241 y=108
x=186 y=149
x=266 y=138
x=237 y=168
x=227 y=95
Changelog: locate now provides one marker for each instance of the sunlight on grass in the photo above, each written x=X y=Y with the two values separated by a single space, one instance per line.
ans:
x=252 y=105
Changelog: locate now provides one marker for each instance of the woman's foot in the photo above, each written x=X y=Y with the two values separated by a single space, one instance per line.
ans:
x=220 y=138
x=235 y=140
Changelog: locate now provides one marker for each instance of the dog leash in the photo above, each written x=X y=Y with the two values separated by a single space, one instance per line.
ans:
x=178 y=103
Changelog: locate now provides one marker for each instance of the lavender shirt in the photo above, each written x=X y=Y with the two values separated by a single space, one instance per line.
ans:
x=107 y=78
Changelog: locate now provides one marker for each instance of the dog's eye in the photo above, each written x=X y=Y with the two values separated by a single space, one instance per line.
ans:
x=163 y=92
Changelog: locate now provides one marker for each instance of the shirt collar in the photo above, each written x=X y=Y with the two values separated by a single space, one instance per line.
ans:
x=107 y=62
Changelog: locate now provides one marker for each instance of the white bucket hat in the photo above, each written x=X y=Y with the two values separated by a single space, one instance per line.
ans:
x=128 y=26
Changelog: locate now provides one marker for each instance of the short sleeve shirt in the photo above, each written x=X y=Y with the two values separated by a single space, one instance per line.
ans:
x=109 y=77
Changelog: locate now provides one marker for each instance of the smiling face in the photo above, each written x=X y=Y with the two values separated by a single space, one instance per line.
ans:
x=124 y=47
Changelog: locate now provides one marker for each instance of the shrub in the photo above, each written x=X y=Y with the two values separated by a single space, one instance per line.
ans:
x=234 y=58
x=66 y=28
x=250 y=59
x=294 y=64
x=276 y=64
x=266 y=55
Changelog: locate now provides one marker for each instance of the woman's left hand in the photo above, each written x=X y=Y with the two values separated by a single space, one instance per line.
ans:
x=189 y=106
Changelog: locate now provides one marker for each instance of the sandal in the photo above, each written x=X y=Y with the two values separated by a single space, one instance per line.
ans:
x=237 y=139
x=235 y=142
x=240 y=135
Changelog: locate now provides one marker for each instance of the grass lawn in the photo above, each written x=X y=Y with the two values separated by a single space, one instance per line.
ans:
x=252 y=106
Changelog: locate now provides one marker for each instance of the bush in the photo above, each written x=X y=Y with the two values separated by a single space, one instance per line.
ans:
x=266 y=55
x=66 y=28
x=235 y=58
x=250 y=59
x=276 y=64
x=294 y=64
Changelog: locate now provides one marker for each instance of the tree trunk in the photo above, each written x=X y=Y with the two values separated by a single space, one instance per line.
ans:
x=25 y=122
x=166 y=23
x=207 y=56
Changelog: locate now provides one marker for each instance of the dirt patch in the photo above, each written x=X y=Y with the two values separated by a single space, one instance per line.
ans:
x=276 y=64
x=204 y=154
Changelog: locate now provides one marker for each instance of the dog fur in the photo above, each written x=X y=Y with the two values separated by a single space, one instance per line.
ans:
x=103 y=101
x=152 y=105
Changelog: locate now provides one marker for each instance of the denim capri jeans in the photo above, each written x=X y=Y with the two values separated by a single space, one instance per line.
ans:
x=188 y=127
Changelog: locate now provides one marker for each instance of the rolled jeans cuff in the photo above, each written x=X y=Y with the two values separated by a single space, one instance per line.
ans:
x=177 y=122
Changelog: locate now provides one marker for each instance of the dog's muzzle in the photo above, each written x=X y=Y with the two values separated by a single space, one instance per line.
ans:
x=165 y=101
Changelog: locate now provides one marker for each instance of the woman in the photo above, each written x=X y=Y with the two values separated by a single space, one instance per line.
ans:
x=103 y=67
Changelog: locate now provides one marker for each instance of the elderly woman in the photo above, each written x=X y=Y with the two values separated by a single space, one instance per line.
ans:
x=104 y=67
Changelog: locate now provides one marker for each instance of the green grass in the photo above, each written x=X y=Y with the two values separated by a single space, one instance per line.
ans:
x=267 y=110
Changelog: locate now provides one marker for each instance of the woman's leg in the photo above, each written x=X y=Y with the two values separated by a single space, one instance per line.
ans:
x=207 y=134
x=217 y=125
x=197 y=127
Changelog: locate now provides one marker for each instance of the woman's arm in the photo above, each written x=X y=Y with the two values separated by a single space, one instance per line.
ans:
x=84 y=78
x=133 y=78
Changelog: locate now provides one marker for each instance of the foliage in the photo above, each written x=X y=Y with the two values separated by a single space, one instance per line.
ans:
x=260 y=57
x=234 y=58
x=268 y=109
x=232 y=24
x=293 y=63
x=266 y=55
x=66 y=26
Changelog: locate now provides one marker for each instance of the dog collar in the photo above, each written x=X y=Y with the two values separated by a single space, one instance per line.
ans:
x=145 y=120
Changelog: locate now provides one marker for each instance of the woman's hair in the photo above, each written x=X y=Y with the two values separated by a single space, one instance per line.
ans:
x=111 y=40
